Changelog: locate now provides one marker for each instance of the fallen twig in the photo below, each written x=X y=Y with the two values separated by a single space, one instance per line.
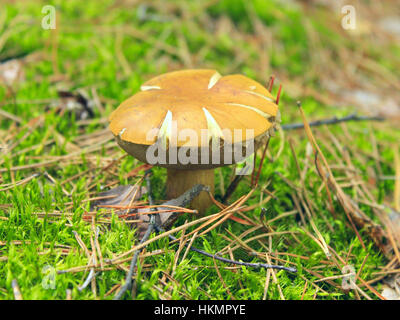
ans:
x=216 y=257
x=239 y=263
x=334 y=120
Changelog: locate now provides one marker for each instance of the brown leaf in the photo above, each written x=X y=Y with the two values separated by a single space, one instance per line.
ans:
x=122 y=196
x=11 y=72
x=75 y=103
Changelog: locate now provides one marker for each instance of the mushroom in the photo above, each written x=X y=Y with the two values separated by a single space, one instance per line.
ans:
x=193 y=121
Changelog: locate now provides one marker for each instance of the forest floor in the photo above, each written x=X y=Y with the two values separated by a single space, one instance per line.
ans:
x=331 y=193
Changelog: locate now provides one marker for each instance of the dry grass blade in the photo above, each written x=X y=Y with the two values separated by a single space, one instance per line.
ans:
x=266 y=286
x=224 y=214
x=275 y=279
x=353 y=213
x=189 y=246
x=223 y=282
x=20 y=183
x=82 y=244
x=163 y=235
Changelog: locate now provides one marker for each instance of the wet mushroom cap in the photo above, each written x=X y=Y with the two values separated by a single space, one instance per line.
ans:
x=196 y=100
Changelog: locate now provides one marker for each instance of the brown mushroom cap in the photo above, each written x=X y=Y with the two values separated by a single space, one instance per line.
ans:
x=196 y=100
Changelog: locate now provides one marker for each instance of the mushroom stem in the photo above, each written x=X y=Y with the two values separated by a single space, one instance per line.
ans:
x=179 y=181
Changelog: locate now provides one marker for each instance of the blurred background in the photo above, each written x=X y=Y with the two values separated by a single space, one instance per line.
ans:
x=311 y=47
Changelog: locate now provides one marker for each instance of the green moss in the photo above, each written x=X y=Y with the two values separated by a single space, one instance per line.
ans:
x=86 y=55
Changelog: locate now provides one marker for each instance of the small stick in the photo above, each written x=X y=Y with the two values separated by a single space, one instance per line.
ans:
x=239 y=263
x=334 y=120
x=158 y=229
x=88 y=280
x=233 y=185
x=261 y=164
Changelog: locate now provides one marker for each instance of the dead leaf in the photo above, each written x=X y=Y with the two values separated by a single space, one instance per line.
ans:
x=75 y=103
x=11 y=72
x=122 y=197
x=391 y=288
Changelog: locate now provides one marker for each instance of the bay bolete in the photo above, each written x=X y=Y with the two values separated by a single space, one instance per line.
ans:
x=192 y=121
